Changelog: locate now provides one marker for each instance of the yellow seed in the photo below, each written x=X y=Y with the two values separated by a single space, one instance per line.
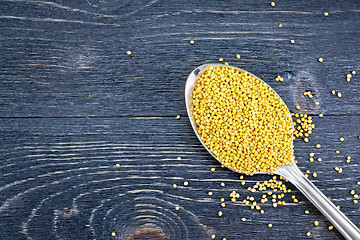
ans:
x=337 y=151
x=174 y=185
x=113 y=234
x=213 y=169
x=226 y=63
x=318 y=145
x=128 y=52
x=306 y=140
x=238 y=56
x=213 y=236
x=222 y=184
x=311 y=159
x=321 y=115
x=319 y=159
x=339 y=94
x=296 y=201
x=292 y=41
x=326 y=14
x=178 y=117
x=356 y=196
x=262 y=211
x=272 y=4
x=220 y=88
x=270 y=225
x=352 y=192
x=243 y=219
x=341 y=139
x=210 y=193
x=297 y=107
x=316 y=223
x=222 y=199
x=192 y=42
x=314 y=174
x=177 y=208
x=355 y=201
x=223 y=204
x=353 y=72
x=186 y=183
x=331 y=227
x=333 y=92
x=307 y=211
x=311 y=154
x=179 y=158
x=280 y=25
x=358 y=183
x=117 y=165
x=321 y=60
x=308 y=234
x=220 y=213
x=338 y=207
x=317 y=103
x=221 y=59
x=224 y=239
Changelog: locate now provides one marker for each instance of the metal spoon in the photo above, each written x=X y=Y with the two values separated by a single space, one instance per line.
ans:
x=347 y=228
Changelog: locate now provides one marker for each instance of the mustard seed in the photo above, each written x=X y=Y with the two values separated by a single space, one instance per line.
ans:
x=321 y=60
x=292 y=41
x=192 y=42
x=178 y=117
x=113 y=234
x=280 y=25
x=331 y=227
x=272 y=4
x=224 y=95
x=326 y=14
x=238 y=56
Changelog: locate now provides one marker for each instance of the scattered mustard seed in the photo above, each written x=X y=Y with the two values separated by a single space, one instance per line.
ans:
x=308 y=234
x=178 y=117
x=117 y=165
x=179 y=158
x=223 y=204
x=321 y=60
x=316 y=223
x=272 y=4
x=337 y=151
x=174 y=185
x=311 y=154
x=113 y=234
x=321 y=115
x=339 y=94
x=210 y=193
x=318 y=146
x=222 y=184
x=129 y=53
x=297 y=107
x=333 y=92
x=270 y=225
x=355 y=201
x=331 y=227
x=213 y=236
x=326 y=14
x=292 y=41
x=314 y=174
x=220 y=213
x=186 y=183
x=280 y=25
x=341 y=139
x=243 y=219
x=221 y=59
x=238 y=56
x=213 y=169
x=177 y=208
x=192 y=42
x=353 y=72
x=307 y=211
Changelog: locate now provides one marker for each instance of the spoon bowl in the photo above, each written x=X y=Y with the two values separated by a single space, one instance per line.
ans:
x=291 y=172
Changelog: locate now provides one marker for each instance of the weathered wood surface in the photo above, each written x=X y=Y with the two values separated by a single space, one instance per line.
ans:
x=73 y=105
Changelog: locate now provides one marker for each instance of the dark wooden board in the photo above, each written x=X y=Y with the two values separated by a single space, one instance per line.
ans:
x=73 y=104
x=69 y=59
x=60 y=180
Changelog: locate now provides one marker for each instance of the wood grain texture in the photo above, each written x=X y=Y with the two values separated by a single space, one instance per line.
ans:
x=69 y=59
x=73 y=104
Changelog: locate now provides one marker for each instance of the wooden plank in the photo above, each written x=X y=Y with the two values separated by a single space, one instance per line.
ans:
x=59 y=179
x=69 y=59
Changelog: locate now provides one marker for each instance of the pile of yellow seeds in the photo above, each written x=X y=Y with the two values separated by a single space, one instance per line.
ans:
x=303 y=125
x=241 y=120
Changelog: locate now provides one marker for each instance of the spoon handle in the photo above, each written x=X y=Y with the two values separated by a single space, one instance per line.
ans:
x=347 y=228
